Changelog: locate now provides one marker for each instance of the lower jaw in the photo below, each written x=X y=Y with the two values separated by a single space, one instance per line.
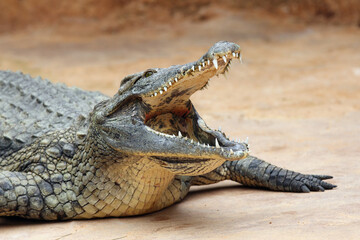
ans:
x=185 y=127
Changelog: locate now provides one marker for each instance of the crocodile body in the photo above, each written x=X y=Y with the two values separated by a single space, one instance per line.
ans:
x=66 y=153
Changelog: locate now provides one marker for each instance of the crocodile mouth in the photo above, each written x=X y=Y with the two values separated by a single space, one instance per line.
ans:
x=152 y=115
x=171 y=114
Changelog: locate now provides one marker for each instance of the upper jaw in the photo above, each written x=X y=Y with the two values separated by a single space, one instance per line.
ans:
x=197 y=74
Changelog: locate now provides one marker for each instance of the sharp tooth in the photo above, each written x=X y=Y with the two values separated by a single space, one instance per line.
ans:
x=203 y=145
x=193 y=68
x=238 y=153
x=179 y=134
x=198 y=143
x=176 y=79
x=224 y=58
x=199 y=68
x=192 y=141
x=225 y=75
x=165 y=88
x=155 y=94
x=215 y=63
x=217 y=143
x=185 y=138
x=208 y=62
x=246 y=140
x=234 y=55
x=231 y=151
x=203 y=64
x=161 y=92
x=240 y=59
x=170 y=83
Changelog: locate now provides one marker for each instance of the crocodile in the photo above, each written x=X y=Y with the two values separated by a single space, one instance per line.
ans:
x=66 y=153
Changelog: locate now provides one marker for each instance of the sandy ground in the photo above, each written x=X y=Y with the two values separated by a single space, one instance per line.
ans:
x=297 y=97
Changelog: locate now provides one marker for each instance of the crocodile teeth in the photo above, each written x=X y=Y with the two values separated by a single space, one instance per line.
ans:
x=240 y=59
x=176 y=80
x=238 y=153
x=217 y=143
x=203 y=64
x=170 y=83
x=179 y=134
x=165 y=88
x=161 y=92
x=234 y=55
x=192 y=141
x=193 y=68
x=199 y=68
x=246 y=140
x=155 y=94
x=208 y=61
x=224 y=58
x=215 y=64
x=231 y=151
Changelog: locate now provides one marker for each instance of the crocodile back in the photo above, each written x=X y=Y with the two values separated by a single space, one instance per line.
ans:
x=31 y=107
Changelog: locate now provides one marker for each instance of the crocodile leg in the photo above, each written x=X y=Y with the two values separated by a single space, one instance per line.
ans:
x=28 y=195
x=18 y=194
x=255 y=172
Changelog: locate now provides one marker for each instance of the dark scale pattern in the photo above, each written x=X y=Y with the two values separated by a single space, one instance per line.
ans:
x=33 y=106
x=44 y=188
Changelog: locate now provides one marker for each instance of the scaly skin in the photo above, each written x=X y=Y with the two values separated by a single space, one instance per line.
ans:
x=70 y=154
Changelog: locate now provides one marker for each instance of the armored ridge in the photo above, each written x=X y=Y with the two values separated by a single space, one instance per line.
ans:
x=31 y=107
x=70 y=154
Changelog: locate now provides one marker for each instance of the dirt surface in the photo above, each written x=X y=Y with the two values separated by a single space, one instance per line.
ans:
x=297 y=97
x=114 y=16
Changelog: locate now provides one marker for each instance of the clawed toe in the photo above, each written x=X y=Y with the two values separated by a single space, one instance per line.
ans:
x=307 y=183
x=323 y=177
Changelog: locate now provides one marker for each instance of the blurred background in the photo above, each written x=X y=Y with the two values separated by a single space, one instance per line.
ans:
x=65 y=40
x=296 y=95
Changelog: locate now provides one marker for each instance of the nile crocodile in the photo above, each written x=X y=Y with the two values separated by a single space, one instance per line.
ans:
x=66 y=153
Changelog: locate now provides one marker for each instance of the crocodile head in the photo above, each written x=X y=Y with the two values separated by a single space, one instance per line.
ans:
x=152 y=115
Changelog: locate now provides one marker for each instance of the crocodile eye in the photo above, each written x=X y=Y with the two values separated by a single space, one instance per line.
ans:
x=148 y=73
